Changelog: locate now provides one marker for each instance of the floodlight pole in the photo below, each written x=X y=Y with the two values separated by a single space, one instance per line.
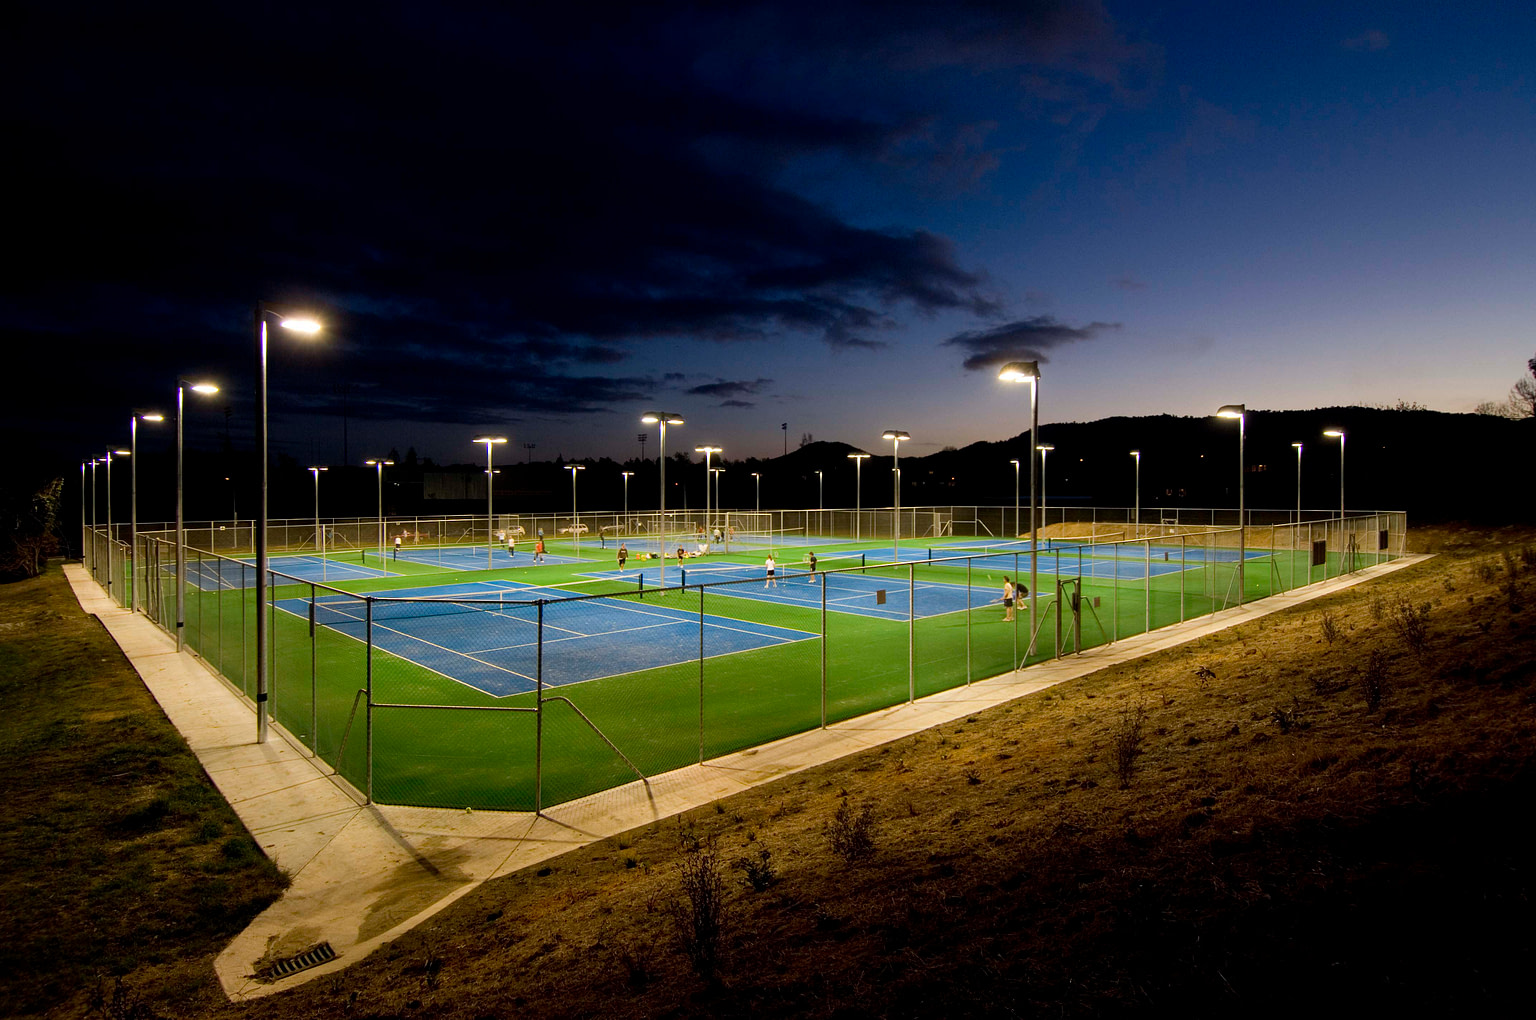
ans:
x=109 y=521
x=626 y=475
x=758 y=479
x=896 y=436
x=490 y=487
x=82 y=513
x=1045 y=511
x=1298 y=482
x=1016 y=519
x=1029 y=371
x=181 y=529
x=1136 y=526
x=259 y=328
x=858 y=493
x=1333 y=433
x=380 y=464
x=319 y=535
x=575 y=521
x=707 y=451
x=94 y=462
x=662 y=418
x=1240 y=412
x=133 y=512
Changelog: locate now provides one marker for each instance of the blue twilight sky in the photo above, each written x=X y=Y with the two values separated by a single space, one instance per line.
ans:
x=837 y=215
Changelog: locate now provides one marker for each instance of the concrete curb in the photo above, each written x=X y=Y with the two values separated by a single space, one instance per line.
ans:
x=365 y=874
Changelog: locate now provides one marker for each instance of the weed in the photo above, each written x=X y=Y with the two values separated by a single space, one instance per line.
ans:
x=1204 y=675
x=431 y=966
x=1378 y=608
x=1286 y=718
x=758 y=874
x=973 y=777
x=1411 y=623
x=123 y=1004
x=849 y=832
x=700 y=914
x=637 y=969
x=1126 y=741
x=1330 y=626
x=1486 y=571
x=1374 y=680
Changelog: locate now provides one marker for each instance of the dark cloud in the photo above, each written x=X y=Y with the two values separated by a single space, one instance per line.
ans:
x=1024 y=340
x=736 y=403
x=494 y=205
x=1128 y=283
x=731 y=388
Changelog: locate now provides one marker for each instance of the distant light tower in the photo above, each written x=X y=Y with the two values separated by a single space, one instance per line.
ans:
x=897 y=437
x=627 y=475
x=858 y=493
x=1017 y=520
x=490 y=493
x=380 y=465
x=663 y=419
x=529 y=447
x=1045 y=506
x=1339 y=435
x=206 y=389
x=1019 y=372
x=111 y=538
x=319 y=535
x=707 y=451
x=133 y=510
x=575 y=520
x=1137 y=515
x=717 y=472
x=1240 y=412
x=758 y=479
x=1298 y=482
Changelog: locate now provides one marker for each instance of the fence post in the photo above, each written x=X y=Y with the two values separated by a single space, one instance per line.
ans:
x=824 y=650
x=538 y=719
x=1148 y=580
x=911 y=629
x=314 y=684
x=368 y=686
x=701 y=674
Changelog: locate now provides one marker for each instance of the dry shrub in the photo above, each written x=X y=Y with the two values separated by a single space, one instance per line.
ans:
x=1127 y=743
x=849 y=832
x=700 y=914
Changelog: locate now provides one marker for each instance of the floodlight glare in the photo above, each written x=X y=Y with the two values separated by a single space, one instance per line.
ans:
x=1020 y=371
x=122 y=453
x=206 y=388
x=1231 y=411
x=300 y=325
x=489 y=439
x=1335 y=433
x=152 y=417
x=1045 y=446
x=894 y=434
x=665 y=417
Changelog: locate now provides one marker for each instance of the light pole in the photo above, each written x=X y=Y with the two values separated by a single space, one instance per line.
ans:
x=820 y=504
x=1018 y=372
x=757 y=479
x=206 y=389
x=379 y=465
x=95 y=568
x=111 y=539
x=896 y=436
x=1136 y=530
x=1334 y=434
x=1016 y=520
x=1240 y=412
x=490 y=486
x=1045 y=507
x=858 y=493
x=319 y=535
x=626 y=475
x=575 y=521
x=297 y=325
x=83 y=560
x=133 y=504
x=662 y=418
x=1298 y=482
x=707 y=451
x=717 y=472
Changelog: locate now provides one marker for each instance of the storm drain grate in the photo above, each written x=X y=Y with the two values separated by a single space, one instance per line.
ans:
x=288 y=965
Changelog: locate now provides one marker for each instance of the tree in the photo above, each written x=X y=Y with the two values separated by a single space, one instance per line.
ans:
x=805 y=440
x=1522 y=395
x=28 y=529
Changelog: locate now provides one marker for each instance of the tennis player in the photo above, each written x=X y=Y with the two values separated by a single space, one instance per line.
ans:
x=623 y=554
x=397 y=547
x=768 y=564
x=812 y=557
x=538 y=551
x=1008 y=598
x=511 y=545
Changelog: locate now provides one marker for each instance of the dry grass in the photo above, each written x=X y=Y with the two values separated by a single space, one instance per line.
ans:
x=1290 y=840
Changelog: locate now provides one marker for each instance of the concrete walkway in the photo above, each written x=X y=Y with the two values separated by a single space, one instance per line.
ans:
x=364 y=874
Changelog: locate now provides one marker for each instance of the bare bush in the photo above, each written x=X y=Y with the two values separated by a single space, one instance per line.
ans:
x=758 y=873
x=700 y=914
x=1127 y=740
x=1330 y=626
x=849 y=832
x=1373 y=681
x=1411 y=623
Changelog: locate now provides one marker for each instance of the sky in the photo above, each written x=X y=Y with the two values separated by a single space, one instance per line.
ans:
x=839 y=217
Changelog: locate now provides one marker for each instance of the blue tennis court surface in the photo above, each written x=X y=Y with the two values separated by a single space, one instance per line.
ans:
x=219 y=575
x=472 y=557
x=493 y=646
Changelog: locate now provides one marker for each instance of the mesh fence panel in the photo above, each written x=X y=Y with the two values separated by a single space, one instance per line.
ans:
x=866 y=640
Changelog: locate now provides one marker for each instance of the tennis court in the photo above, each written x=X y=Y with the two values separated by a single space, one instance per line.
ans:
x=486 y=634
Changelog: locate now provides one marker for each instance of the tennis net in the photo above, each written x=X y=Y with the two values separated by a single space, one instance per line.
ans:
x=714 y=573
